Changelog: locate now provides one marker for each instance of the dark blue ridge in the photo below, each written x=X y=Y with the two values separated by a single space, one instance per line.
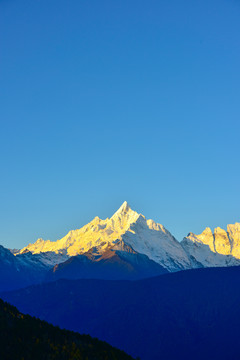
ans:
x=193 y=314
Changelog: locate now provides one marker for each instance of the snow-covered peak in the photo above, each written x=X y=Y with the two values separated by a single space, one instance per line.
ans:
x=124 y=217
x=124 y=208
x=206 y=237
x=219 y=241
x=152 y=239
x=99 y=233
x=144 y=236
x=217 y=248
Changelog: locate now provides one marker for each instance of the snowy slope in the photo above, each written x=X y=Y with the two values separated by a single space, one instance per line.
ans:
x=144 y=236
x=44 y=259
x=127 y=227
x=152 y=239
x=211 y=249
x=18 y=271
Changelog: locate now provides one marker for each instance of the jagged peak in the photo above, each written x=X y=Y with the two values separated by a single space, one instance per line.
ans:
x=219 y=230
x=231 y=227
x=125 y=211
x=25 y=251
x=124 y=217
x=207 y=230
x=40 y=240
x=124 y=208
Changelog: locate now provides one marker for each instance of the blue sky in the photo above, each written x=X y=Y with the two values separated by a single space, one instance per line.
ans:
x=106 y=101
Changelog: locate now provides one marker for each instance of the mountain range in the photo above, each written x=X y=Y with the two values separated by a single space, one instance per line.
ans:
x=128 y=281
x=192 y=314
x=125 y=246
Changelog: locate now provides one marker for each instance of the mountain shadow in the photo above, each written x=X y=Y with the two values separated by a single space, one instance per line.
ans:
x=113 y=264
x=24 y=337
x=192 y=314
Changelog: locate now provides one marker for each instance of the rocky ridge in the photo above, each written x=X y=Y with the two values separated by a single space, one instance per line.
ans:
x=130 y=230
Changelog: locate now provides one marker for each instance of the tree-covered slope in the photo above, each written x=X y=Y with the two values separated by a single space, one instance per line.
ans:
x=193 y=314
x=24 y=337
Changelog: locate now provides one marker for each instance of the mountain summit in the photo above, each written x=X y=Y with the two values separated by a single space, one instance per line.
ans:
x=217 y=248
x=129 y=227
x=124 y=209
x=130 y=232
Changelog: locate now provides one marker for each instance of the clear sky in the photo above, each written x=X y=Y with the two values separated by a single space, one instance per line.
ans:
x=106 y=101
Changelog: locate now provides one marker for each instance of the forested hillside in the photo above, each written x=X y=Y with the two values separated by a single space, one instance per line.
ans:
x=26 y=338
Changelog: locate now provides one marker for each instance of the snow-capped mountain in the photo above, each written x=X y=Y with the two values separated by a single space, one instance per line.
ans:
x=127 y=245
x=211 y=249
x=24 y=269
x=144 y=236
x=18 y=271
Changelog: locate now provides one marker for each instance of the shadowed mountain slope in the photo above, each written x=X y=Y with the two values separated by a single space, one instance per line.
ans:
x=24 y=269
x=209 y=249
x=125 y=246
x=24 y=337
x=192 y=314
x=119 y=262
x=126 y=225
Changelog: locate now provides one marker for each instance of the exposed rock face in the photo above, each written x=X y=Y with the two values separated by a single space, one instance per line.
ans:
x=233 y=231
x=221 y=241
x=129 y=232
x=98 y=233
x=206 y=237
x=119 y=262
x=144 y=236
x=220 y=248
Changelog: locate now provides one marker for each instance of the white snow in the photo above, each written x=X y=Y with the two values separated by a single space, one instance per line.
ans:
x=147 y=237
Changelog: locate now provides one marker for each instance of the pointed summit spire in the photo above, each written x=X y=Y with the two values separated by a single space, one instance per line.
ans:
x=124 y=207
x=125 y=215
x=124 y=210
